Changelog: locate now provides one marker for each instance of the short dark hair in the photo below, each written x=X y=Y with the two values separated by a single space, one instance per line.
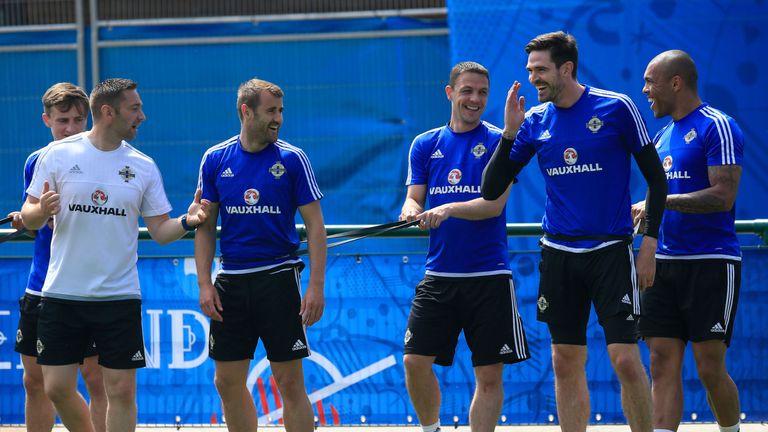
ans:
x=467 y=66
x=561 y=46
x=249 y=93
x=64 y=96
x=680 y=63
x=109 y=92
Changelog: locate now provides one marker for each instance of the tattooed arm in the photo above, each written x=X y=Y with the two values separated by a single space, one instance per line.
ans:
x=719 y=197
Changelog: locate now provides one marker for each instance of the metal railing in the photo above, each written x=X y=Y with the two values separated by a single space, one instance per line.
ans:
x=759 y=227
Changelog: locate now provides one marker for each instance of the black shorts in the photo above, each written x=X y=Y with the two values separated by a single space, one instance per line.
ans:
x=263 y=305
x=570 y=282
x=65 y=327
x=485 y=308
x=692 y=300
x=26 y=334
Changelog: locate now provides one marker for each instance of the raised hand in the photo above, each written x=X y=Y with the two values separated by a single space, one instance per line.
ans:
x=514 y=111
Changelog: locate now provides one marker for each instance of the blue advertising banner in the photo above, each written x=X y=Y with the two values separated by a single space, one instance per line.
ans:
x=356 y=369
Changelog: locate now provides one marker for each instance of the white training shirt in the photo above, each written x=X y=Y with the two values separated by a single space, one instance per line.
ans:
x=95 y=235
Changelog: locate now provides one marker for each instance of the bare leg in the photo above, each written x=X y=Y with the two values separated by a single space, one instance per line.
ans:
x=236 y=400
x=94 y=381
x=61 y=388
x=423 y=388
x=722 y=394
x=297 y=411
x=120 y=385
x=39 y=413
x=635 y=390
x=489 y=396
x=666 y=381
x=571 y=392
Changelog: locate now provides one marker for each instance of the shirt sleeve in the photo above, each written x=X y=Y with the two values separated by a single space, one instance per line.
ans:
x=724 y=142
x=43 y=168
x=206 y=179
x=304 y=183
x=154 y=201
x=417 y=163
x=29 y=170
x=632 y=124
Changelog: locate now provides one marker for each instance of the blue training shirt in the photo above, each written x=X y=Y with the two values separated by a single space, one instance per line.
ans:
x=258 y=195
x=687 y=147
x=584 y=153
x=42 y=250
x=451 y=165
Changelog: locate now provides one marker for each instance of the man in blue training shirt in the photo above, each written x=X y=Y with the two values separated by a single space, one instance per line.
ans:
x=584 y=139
x=65 y=112
x=468 y=284
x=257 y=183
x=698 y=258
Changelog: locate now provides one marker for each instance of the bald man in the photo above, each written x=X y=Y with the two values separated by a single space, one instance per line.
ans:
x=698 y=259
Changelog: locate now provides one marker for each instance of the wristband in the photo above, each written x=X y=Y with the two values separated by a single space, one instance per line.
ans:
x=186 y=226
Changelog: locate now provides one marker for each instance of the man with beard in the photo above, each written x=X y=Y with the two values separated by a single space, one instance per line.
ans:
x=258 y=182
x=584 y=139
x=468 y=284
x=65 y=112
x=698 y=256
x=96 y=186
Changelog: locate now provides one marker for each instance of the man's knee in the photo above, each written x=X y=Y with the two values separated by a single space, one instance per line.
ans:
x=227 y=382
x=626 y=362
x=711 y=370
x=417 y=364
x=569 y=360
x=33 y=383
x=94 y=380
x=489 y=378
x=710 y=362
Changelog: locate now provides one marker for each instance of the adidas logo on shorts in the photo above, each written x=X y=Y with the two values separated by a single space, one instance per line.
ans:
x=137 y=356
x=505 y=350
x=299 y=345
x=626 y=299
x=717 y=328
x=630 y=318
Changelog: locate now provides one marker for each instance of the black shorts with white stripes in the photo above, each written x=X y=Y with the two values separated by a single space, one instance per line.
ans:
x=571 y=282
x=692 y=300
x=484 y=307
x=263 y=305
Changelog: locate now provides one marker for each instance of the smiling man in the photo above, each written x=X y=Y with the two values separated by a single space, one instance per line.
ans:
x=257 y=183
x=584 y=138
x=468 y=283
x=96 y=186
x=698 y=256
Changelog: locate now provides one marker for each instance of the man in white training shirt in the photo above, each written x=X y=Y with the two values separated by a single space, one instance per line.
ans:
x=96 y=186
